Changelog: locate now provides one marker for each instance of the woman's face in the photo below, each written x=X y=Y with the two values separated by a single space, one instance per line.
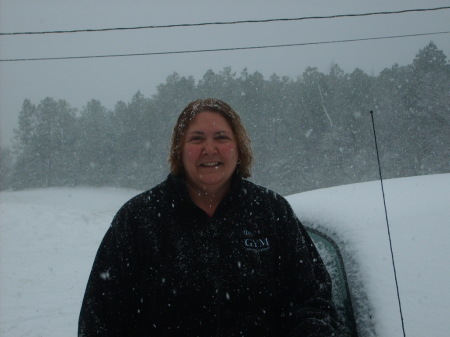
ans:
x=210 y=152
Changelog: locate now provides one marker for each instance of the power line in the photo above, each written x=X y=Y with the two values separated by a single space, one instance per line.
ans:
x=220 y=49
x=228 y=22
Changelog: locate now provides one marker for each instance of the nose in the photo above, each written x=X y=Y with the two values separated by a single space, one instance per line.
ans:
x=210 y=147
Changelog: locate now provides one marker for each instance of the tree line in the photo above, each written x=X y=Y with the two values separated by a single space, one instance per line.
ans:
x=307 y=132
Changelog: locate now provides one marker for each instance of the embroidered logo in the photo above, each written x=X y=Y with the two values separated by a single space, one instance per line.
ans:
x=257 y=244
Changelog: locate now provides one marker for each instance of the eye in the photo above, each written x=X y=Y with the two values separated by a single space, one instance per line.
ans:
x=195 y=139
x=223 y=136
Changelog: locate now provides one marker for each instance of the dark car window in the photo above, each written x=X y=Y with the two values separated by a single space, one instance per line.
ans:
x=332 y=258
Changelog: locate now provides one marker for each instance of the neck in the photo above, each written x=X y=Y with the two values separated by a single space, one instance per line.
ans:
x=207 y=199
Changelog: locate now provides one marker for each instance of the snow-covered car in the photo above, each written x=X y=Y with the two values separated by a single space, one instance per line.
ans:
x=350 y=222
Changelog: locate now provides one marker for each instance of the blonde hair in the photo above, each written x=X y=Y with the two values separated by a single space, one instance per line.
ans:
x=243 y=167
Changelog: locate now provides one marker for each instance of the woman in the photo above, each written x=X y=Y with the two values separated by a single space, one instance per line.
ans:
x=206 y=252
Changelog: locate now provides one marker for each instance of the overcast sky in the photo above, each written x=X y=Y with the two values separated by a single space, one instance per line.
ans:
x=112 y=79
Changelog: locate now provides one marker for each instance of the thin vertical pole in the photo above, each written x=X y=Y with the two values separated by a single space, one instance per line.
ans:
x=387 y=223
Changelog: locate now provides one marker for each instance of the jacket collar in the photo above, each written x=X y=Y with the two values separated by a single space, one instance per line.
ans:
x=180 y=191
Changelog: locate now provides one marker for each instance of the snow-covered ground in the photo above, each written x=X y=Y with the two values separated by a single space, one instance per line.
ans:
x=48 y=241
x=49 y=237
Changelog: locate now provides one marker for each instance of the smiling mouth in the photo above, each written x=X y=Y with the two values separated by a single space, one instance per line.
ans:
x=211 y=164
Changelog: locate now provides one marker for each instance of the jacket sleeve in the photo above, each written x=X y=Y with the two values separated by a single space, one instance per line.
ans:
x=307 y=308
x=110 y=300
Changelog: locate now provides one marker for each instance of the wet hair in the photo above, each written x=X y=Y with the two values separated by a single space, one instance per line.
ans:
x=245 y=158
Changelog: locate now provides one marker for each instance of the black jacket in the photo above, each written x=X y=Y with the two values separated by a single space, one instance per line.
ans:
x=165 y=268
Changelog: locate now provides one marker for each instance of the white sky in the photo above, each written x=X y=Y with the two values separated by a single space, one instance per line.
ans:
x=112 y=79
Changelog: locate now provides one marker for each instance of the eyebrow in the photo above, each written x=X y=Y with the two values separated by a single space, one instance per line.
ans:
x=223 y=132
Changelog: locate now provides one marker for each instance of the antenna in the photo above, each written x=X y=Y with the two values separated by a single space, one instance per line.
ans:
x=387 y=223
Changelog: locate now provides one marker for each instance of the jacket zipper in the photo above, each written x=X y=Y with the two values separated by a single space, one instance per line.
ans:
x=217 y=283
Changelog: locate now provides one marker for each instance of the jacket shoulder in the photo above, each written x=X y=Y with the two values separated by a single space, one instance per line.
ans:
x=267 y=199
x=263 y=193
x=144 y=205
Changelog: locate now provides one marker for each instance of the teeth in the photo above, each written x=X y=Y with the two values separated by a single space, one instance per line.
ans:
x=211 y=164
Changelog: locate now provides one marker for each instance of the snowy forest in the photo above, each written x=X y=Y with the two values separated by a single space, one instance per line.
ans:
x=309 y=131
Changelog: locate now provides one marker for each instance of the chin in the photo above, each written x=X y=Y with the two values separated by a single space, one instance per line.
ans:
x=215 y=181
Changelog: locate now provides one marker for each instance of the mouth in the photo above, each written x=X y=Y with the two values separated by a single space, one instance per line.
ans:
x=211 y=164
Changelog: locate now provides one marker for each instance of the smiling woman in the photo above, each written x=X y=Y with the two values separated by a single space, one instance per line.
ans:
x=207 y=252
x=209 y=155
x=209 y=159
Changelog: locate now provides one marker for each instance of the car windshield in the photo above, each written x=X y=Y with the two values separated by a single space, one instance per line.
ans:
x=332 y=258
